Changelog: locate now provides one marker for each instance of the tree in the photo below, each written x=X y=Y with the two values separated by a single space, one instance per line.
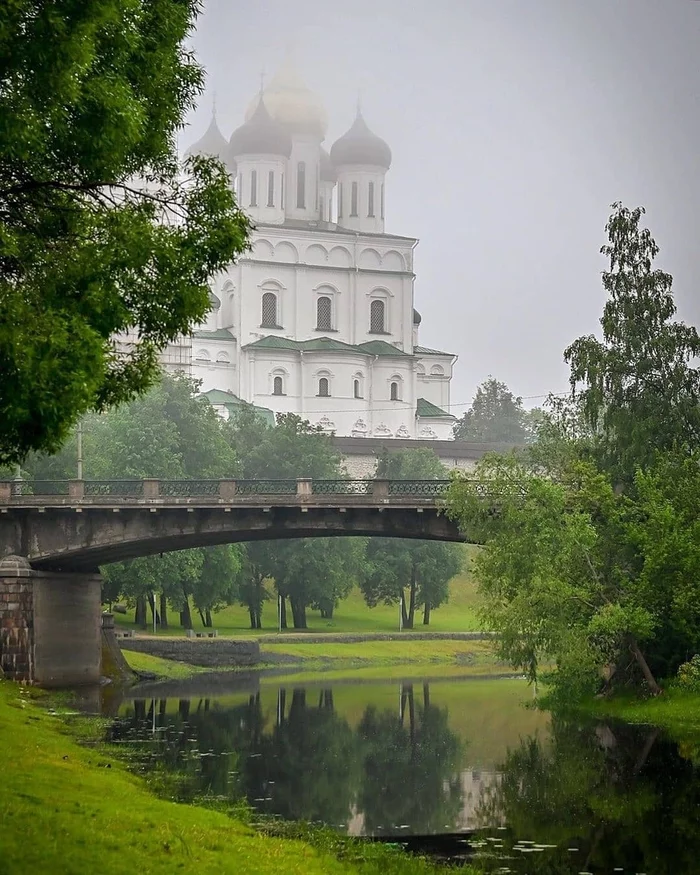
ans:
x=637 y=387
x=100 y=233
x=495 y=416
x=394 y=565
x=307 y=572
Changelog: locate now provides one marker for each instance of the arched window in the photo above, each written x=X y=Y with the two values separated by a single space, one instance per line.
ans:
x=324 y=313
x=353 y=200
x=222 y=358
x=376 y=317
x=324 y=389
x=301 y=185
x=202 y=356
x=394 y=392
x=356 y=391
x=278 y=386
x=269 y=310
x=253 y=188
x=370 y=200
x=437 y=371
x=271 y=188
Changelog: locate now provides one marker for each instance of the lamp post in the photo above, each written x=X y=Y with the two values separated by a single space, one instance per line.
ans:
x=80 y=450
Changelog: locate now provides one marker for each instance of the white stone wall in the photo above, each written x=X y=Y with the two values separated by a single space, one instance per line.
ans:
x=363 y=467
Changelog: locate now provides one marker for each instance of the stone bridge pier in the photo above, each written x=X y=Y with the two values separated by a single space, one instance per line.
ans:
x=50 y=625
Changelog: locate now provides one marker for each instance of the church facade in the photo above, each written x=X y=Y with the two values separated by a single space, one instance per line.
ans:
x=318 y=317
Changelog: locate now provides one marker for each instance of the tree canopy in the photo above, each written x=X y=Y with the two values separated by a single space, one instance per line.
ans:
x=495 y=416
x=590 y=557
x=410 y=573
x=102 y=234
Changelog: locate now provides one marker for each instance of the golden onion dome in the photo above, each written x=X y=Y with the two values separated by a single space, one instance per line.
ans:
x=292 y=104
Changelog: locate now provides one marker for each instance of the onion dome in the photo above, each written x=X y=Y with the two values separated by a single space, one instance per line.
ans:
x=213 y=144
x=327 y=169
x=417 y=318
x=292 y=104
x=360 y=146
x=260 y=135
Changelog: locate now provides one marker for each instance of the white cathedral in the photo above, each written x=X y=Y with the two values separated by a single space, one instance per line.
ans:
x=317 y=318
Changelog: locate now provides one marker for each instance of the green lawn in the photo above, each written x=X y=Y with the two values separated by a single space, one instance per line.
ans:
x=351 y=615
x=71 y=809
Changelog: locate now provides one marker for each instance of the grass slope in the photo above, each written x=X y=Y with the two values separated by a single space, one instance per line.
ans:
x=70 y=809
x=676 y=710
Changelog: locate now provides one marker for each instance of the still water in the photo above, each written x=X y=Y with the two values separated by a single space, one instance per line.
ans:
x=531 y=793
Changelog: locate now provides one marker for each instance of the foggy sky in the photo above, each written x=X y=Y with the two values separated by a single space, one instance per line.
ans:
x=514 y=124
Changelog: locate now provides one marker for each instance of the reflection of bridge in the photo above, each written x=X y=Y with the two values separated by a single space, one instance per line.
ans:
x=55 y=535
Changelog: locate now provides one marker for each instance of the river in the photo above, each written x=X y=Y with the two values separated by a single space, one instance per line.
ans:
x=515 y=789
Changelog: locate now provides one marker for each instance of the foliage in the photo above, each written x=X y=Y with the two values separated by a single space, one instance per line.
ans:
x=561 y=572
x=638 y=391
x=100 y=233
x=495 y=416
x=308 y=572
x=689 y=674
x=394 y=565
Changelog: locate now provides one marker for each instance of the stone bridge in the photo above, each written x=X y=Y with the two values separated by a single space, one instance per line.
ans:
x=56 y=534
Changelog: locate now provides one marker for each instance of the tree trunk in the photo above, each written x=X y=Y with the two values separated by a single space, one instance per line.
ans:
x=140 y=613
x=253 y=617
x=426 y=697
x=163 y=611
x=426 y=614
x=411 y=601
x=201 y=616
x=183 y=708
x=646 y=671
x=186 y=614
x=207 y=616
x=298 y=613
x=258 y=620
x=404 y=615
x=283 y=612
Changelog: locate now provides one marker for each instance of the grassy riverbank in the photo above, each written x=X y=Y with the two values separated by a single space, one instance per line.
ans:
x=67 y=808
x=675 y=710
x=368 y=658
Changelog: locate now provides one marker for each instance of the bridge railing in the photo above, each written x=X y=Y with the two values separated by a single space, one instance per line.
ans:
x=154 y=489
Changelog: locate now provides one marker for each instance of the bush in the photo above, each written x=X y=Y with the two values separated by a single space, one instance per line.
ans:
x=689 y=674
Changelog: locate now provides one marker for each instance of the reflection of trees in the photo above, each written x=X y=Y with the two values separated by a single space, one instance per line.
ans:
x=411 y=767
x=620 y=794
x=307 y=767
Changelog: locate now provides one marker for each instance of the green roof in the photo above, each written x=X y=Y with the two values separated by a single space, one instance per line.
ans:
x=428 y=409
x=220 y=397
x=424 y=350
x=381 y=347
x=326 y=344
x=219 y=334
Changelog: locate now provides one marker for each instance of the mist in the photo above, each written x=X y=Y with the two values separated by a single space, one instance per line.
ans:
x=513 y=128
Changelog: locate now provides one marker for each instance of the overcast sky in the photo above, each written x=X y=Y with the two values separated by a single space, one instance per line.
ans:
x=514 y=124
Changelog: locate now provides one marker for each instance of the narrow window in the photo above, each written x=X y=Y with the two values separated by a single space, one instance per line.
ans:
x=253 y=188
x=340 y=200
x=395 y=392
x=240 y=188
x=376 y=317
x=382 y=199
x=322 y=209
x=324 y=310
x=324 y=388
x=353 y=200
x=282 y=193
x=370 y=200
x=269 y=310
x=356 y=389
x=301 y=185
x=271 y=188
x=277 y=387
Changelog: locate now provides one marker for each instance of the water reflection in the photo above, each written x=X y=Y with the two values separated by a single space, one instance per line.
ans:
x=590 y=797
